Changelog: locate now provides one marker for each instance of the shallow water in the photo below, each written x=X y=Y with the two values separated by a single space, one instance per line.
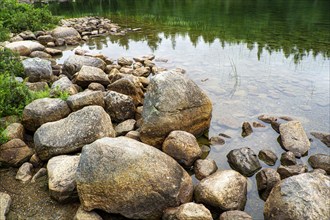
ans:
x=243 y=76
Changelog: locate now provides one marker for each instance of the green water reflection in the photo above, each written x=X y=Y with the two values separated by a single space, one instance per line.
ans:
x=296 y=27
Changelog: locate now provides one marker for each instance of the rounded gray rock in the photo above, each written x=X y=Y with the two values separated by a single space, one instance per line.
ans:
x=37 y=69
x=204 y=168
x=224 y=189
x=304 y=196
x=86 y=98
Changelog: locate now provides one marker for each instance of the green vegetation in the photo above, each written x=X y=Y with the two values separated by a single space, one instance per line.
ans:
x=16 y=17
x=3 y=136
x=15 y=95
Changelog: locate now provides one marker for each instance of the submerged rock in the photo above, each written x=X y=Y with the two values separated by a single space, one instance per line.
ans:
x=246 y=129
x=324 y=137
x=73 y=132
x=304 y=196
x=244 y=160
x=121 y=175
x=294 y=138
x=173 y=102
x=224 y=189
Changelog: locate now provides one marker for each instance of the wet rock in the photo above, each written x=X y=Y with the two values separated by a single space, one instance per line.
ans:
x=124 y=61
x=40 y=54
x=13 y=131
x=246 y=129
x=37 y=86
x=266 y=180
x=5 y=203
x=86 y=98
x=74 y=63
x=235 y=215
x=14 y=153
x=188 y=211
x=134 y=135
x=89 y=74
x=258 y=125
x=44 y=110
x=44 y=39
x=267 y=118
x=216 y=140
x=268 y=156
x=119 y=106
x=42 y=172
x=53 y=52
x=84 y=215
x=288 y=158
x=305 y=196
x=244 y=160
x=110 y=165
x=204 y=168
x=320 y=161
x=24 y=173
x=183 y=147
x=127 y=87
x=96 y=87
x=287 y=171
x=324 y=137
x=63 y=85
x=24 y=48
x=73 y=132
x=175 y=103
x=224 y=189
x=37 y=69
x=294 y=138
x=61 y=178
x=125 y=126
x=276 y=126
x=69 y=34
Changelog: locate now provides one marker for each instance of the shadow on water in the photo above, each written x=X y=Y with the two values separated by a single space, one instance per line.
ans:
x=294 y=27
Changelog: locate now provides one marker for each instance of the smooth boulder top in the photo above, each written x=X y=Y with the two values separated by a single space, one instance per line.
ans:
x=24 y=48
x=173 y=102
x=125 y=176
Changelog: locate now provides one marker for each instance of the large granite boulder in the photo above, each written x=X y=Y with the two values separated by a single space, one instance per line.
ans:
x=37 y=69
x=224 y=189
x=294 y=138
x=14 y=153
x=304 y=196
x=73 y=132
x=173 y=102
x=62 y=178
x=90 y=74
x=320 y=161
x=244 y=160
x=69 y=34
x=122 y=175
x=24 y=48
x=74 y=63
x=86 y=98
x=183 y=147
x=188 y=211
x=44 y=110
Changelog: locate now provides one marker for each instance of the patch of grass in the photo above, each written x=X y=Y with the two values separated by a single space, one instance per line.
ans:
x=10 y=62
x=3 y=136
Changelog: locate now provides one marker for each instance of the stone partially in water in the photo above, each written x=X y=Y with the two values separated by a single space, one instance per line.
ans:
x=320 y=161
x=121 y=175
x=266 y=180
x=304 y=196
x=287 y=171
x=173 y=102
x=324 y=137
x=268 y=156
x=244 y=160
x=183 y=147
x=246 y=129
x=224 y=189
x=288 y=158
x=294 y=138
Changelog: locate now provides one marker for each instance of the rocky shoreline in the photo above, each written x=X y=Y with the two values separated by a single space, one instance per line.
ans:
x=125 y=140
